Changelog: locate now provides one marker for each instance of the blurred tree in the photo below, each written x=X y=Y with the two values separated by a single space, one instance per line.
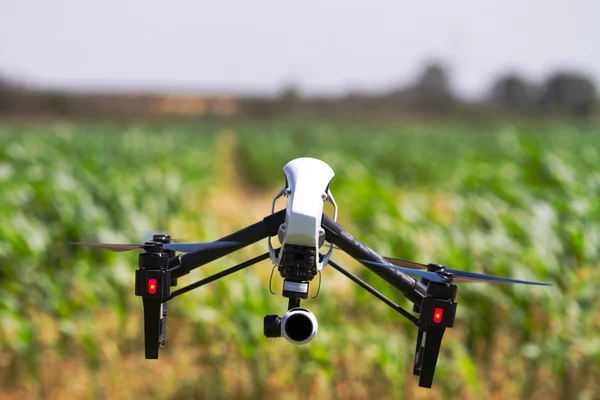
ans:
x=57 y=103
x=513 y=92
x=570 y=92
x=258 y=107
x=289 y=99
x=432 y=91
x=7 y=94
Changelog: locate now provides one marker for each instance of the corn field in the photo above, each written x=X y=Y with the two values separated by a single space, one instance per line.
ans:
x=519 y=201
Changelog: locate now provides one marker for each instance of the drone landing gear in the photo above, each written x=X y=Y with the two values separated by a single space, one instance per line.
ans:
x=437 y=312
x=426 y=355
x=152 y=284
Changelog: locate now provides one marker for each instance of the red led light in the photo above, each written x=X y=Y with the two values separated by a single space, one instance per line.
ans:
x=437 y=315
x=151 y=286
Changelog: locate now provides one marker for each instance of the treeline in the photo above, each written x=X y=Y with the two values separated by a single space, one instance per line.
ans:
x=19 y=100
x=564 y=93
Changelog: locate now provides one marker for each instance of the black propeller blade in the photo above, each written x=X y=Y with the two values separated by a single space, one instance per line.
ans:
x=410 y=267
x=406 y=264
x=180 y=247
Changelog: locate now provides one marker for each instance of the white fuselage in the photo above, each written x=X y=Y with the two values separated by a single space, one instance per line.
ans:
x=307 y=187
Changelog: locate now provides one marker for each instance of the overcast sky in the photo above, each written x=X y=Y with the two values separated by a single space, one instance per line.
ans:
x=326 y=47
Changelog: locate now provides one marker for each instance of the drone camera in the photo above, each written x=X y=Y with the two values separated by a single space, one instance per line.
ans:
x=298 y=325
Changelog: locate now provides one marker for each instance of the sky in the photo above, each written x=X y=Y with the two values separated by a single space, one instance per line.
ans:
x=323 y=47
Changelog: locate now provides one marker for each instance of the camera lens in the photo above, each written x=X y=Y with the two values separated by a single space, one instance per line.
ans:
x=298 y=327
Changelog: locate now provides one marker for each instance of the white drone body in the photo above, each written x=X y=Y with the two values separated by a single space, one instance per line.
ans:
x=307 y=188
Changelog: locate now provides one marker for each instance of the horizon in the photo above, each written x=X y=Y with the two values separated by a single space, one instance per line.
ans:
x=323 y=49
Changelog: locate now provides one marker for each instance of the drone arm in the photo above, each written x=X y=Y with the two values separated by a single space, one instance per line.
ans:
x=216 y=276
x=374 y=292
x=411 y=288
x=183 y=264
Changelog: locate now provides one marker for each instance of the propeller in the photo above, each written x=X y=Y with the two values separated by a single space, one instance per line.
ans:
x=442 y=274
x=180 y=247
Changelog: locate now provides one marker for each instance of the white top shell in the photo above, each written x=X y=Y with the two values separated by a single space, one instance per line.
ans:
x=307 y=182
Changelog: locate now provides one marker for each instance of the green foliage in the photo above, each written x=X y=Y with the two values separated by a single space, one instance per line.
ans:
x=517 y=202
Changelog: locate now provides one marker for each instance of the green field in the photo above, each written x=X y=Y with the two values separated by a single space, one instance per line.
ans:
x=518 y=201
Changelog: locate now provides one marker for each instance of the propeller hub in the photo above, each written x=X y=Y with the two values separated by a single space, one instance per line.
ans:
x=448 y=276
x=153 y=247
x=441 y=271
x=162 y=238
x=435 y=267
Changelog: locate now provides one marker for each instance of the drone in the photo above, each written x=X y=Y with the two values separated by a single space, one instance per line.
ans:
x=302 y=230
